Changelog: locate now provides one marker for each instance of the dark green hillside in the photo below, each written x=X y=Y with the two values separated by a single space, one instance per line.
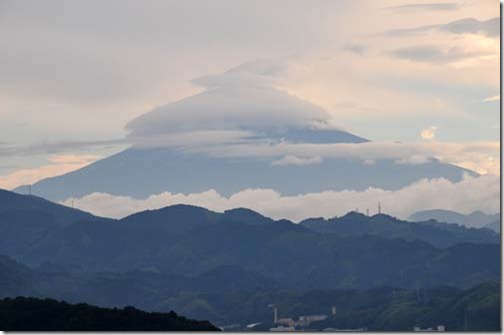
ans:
x=30 y=314
x=27 y=221
x=187 y=241
x=475 y=309
x=15 y=278
x=229 y=295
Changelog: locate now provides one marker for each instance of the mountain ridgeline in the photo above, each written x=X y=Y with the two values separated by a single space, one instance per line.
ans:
x=28 y=209
x=354 y=251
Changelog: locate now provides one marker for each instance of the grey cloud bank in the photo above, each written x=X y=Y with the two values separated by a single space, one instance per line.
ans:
x=435 y=54
x=489 y=27
x=435 y=6
x=469 y=25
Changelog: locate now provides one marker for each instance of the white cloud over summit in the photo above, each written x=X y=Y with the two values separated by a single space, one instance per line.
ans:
x=242 y=98
x=234 y=114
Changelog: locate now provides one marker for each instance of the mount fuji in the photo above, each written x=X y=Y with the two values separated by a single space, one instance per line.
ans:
x=235 y=135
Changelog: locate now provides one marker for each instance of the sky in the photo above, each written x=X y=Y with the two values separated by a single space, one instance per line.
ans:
x=78 y=76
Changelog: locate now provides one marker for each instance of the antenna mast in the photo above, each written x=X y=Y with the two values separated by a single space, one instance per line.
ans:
x=275 y=312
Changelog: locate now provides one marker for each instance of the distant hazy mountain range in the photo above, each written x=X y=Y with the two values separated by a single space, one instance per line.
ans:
x=476 y=219
x=495 y=226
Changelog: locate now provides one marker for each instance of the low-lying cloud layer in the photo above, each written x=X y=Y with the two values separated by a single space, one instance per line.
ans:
x=481 y=157
x=468 y=195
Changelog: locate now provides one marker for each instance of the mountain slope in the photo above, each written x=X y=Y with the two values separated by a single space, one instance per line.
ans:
x=25 y=220
x=12 y=205
x=142 y=172
x=301 y=258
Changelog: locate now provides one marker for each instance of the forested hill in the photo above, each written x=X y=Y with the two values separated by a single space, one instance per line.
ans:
x=188 y=241
x=439 y=234
x=31 y=314
x=387 y=309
